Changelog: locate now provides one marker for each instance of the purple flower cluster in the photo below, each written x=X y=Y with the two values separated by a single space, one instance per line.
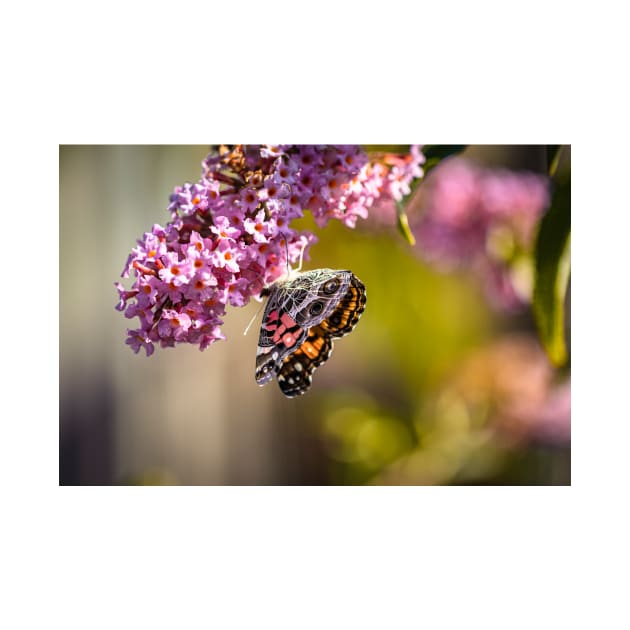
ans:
x=481 y=219
x=230 y=234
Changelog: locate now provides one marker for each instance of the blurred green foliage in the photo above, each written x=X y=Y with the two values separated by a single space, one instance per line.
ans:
x=552 y=259
x=418 y=326
x=400 y=414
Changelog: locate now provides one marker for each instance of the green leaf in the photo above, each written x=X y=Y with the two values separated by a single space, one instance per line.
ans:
x=553 y=264
x=435 y=153
x=554 y=151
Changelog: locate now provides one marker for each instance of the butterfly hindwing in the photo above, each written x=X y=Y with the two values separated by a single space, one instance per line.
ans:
x=347 y=313
x=294 y=377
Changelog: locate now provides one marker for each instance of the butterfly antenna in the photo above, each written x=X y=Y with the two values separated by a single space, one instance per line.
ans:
x=302 y=255
x=251 y=321
x=286 y=247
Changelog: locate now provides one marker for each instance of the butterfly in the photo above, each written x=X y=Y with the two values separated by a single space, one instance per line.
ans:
x=303 y=315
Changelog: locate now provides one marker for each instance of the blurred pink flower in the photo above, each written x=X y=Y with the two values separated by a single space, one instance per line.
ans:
x=514 y=383
x=484 y=220
x=548 y=420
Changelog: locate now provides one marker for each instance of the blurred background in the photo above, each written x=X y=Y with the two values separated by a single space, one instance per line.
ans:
x=437 y=385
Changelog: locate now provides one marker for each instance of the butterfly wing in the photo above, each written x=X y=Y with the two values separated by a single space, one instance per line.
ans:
x=294 y=306
x=280 y=334
x=346 y=314
x=295 y=374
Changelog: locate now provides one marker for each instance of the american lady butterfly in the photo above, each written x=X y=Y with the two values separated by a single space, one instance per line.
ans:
x=302 y=317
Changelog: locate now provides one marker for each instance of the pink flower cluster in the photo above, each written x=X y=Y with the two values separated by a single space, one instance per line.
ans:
x=482 y=219
x=230 y=234
x=512 y=384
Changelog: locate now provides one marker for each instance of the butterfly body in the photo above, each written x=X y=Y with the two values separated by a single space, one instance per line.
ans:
x=304 y=313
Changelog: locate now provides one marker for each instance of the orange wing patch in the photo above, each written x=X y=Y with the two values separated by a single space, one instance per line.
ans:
x=345 y=317
x=294 y=377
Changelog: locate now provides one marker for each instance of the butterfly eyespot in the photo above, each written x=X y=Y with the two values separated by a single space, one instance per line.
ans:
x=316 y=308
x=331 y=286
